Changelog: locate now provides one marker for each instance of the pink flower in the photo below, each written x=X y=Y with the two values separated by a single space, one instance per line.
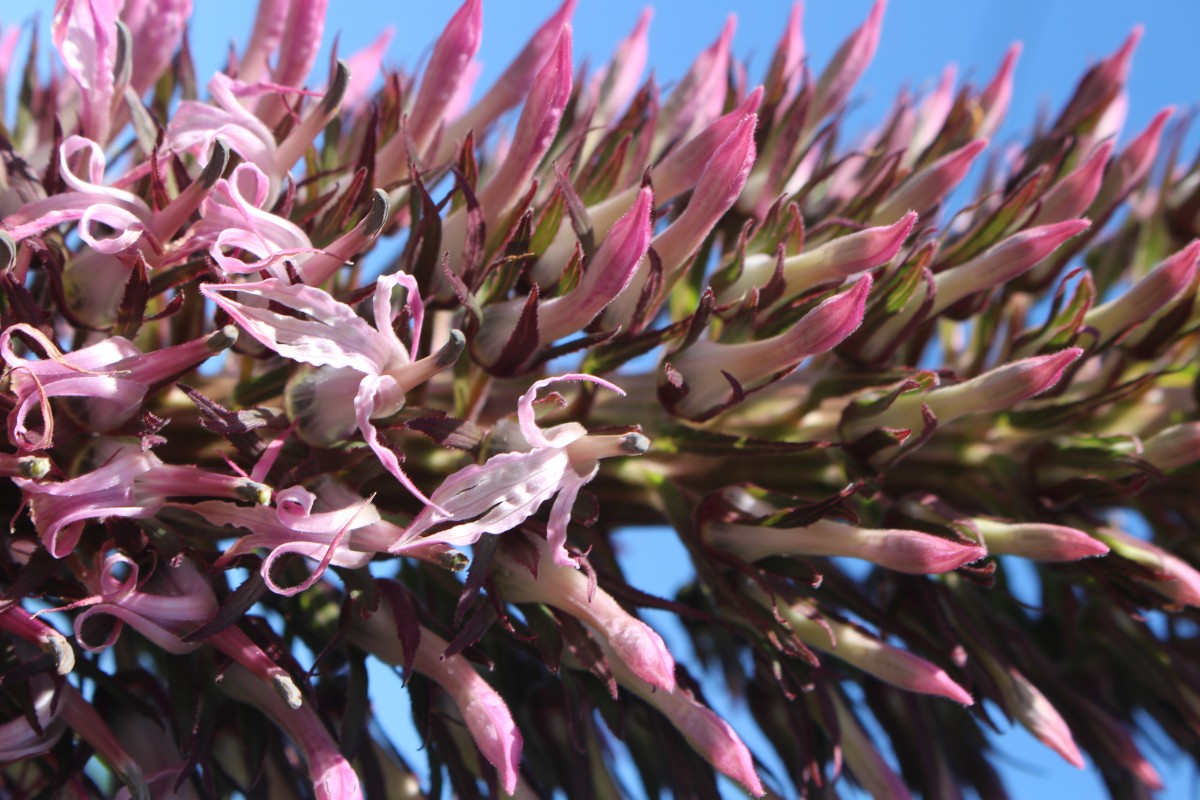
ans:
x=131 y=484
x=332 y=776
x=85 y=34
x=484 y=711
x=705 y=377
x=925 y=189
x=1037 y=540
x=111 y=378
x=847 y=65
x=625 y=637
x=508 y=488
x=349 y=357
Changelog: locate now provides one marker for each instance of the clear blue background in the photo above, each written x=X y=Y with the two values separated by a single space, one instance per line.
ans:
x=919 y=38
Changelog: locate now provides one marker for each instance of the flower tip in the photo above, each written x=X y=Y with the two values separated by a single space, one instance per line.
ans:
x=218 y=160
x=33 y=467
x=943 y=685
x=634 y=444
x=451 y=350
x=223 y=339
x=287 y=689
x=377 y=216
x=338 y=83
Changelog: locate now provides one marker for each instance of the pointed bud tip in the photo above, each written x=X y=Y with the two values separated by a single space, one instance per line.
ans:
x=223 y=339
x=338 y=83
x=452 y=349
x=218 y=160
x=377 y=216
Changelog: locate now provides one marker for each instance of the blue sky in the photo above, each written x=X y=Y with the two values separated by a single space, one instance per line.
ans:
x=1060 y=37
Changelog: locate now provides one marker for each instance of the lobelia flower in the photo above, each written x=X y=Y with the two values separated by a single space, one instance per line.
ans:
x=927 y=188
x=111 y=379
x=998 y=389
x=912 y=552
x=332 y=776
x=164 y=607
x=996 y=266
x=608 y=274
x=704 y=378
x=627 y=639
x=484 y=711
x=1024 y=701
x=347 y=532
x=508 y=488
x=347 y=357
x=836 y=259
x=129 y=483
x=893 y=665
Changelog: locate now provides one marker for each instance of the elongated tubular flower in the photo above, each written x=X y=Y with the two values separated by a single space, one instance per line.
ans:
x=847 y=65
x=706 y=377
x=927 y=188
x=710 y=736
x=672 y=176
x=86 y=36
x=181 y=600
x=332 y=776
x=124 y=216
x=349 y=356
x=513 y=86
x=131 y=484
x=1175 y=578
x=836 y=259
x=19 y=622
x=508 y=488
x=1071 y=196
x=700 y=95
x=485 y=712
x=996 y=390
x=716 y=191
x=890 y=664
x=448 y=68
x=1024 y=701
x=112 y=378
x=866 y=763
x=1151 y=294
x=1038 y=541
x=907 y=551
x=607 y=276
x=1174 y=447
x=632 y=642
x=997 y=265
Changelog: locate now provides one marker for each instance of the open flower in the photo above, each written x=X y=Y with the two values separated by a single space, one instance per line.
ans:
x=348 y=357
x=507 y=489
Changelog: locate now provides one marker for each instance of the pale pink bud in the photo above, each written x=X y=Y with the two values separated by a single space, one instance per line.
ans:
x=1174 y=447
x=889 y=664
x=847 y=65
x=452 y=54
x=633 y=643
x=1101 y=84
x=1175 y=579
x=1073 y=195
x=911 y=552
x=155 y=28
x=715 y=193
x=332 y=776
x=511 y=87
x=922 y=191
x=81 y=717
x=607 y=276
x=998 y=389
x=535 y=132
x=484 y=711
x=365 y=66
x=1031 y=708
x=698 y=379
x=1037 y=541
x=866 y=763
x=671 y=177
x=710 y=736
x=1001 y=263
x=995 y=97
x=837 y=259
x=1129 y=168
x=783 y=76
x=931 y=117
x=269 y=24
x=300 y=42
x=700 y=96
x=85 y=34
x=310 y=126
x=616 y=84
x=1148 y=296
x=18 y=622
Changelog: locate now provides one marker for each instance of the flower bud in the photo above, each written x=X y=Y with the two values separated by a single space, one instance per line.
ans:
x=847 y=66
x=1174 y=447
x=1175 y=579
x=995 y=97
x=1037 y=541
x=1031 y=708
x=1073 y=195
x=1148 y=296
x=922 y=191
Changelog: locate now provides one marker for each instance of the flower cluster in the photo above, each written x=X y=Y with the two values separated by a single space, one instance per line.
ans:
x=248 y=452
